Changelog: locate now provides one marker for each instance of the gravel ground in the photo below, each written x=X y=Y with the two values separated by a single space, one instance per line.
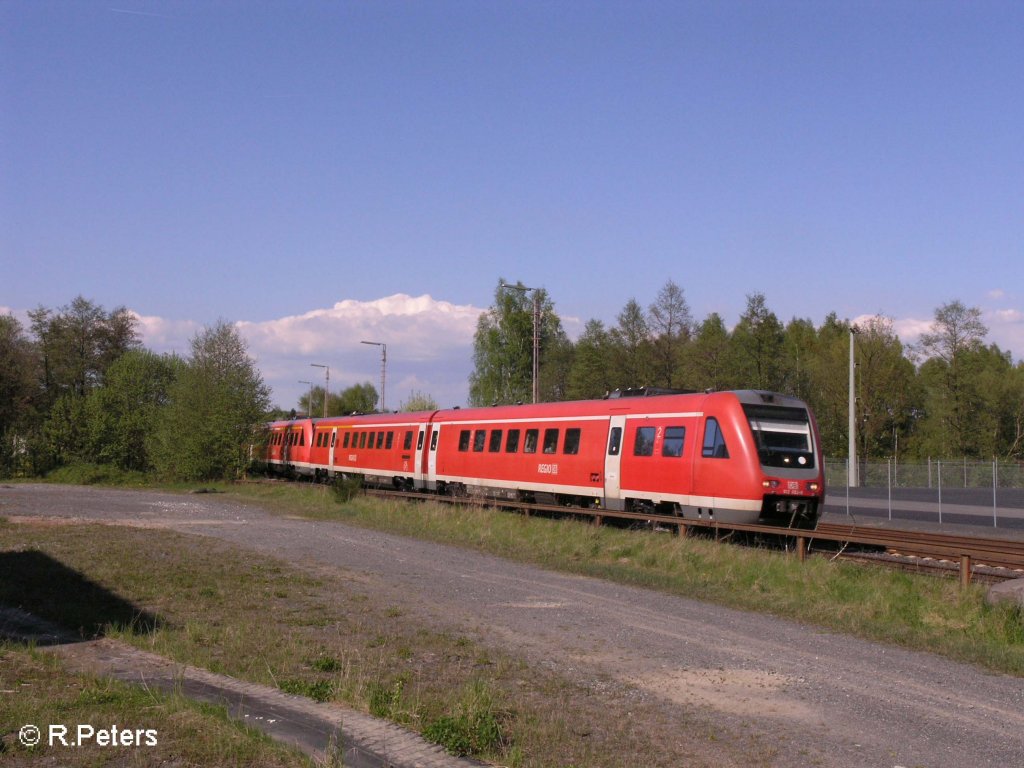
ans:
x=815 y=697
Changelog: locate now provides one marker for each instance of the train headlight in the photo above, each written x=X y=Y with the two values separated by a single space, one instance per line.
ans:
x=770 y=484
x=813 y=487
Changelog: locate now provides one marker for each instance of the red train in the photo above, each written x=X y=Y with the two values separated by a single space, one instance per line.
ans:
x=735 y=457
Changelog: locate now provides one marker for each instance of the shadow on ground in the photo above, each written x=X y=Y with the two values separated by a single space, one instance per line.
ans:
x=43 y=600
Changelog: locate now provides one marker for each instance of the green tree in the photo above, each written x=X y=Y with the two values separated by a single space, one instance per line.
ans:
x=503 y=348
x=17 y=394
x=757 y=343
x=120 y=415
x=886 y=389
x=632 y=350
x=216 y=406
x=418 y=401
x=949 y=374
x=671 y=326
x=590 y=376
x=359 y=398
x=707 y=362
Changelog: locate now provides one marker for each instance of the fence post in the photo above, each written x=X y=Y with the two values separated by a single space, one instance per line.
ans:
x=938 y=471
x=965 y=570
x=888 y=465
x=995 y=486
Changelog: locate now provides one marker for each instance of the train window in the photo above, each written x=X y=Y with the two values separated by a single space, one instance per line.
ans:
x=390 y=441
x=433 y=441
x=408 y=440
x=530 y=446
x=464 y=437
x=714 y=441
x=479 y=439
x=572 y=441
x=380 y=440
x=615 y=441
x=419 y=442
x=673 y=445
x=334 y=438
x=495 y=443
x=644 y=445
x=344 y=443
x=512 y=443
x=302 y=439
x=362 y=439
x=550 y=441
x=371 y=440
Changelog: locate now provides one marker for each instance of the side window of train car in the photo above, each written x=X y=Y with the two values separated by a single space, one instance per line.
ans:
x=433 y=440
x=572 y=441
x=494 y=445
x=672 y=447
x=550 y=441
x=408 y=440
x=644 y=445
x=419 y=442
x=530 y=446
x=615 y=441
x=512 y=443
x=464 y=437
x=380 y=439
x=479 y=440
x=390 y=441
x=362 y=439
x=714 y=441
x=344 y=443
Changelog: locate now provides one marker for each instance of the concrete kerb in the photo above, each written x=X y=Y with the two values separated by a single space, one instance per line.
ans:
x=325 y=731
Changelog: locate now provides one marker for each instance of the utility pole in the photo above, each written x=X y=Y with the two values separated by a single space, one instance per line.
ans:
x=853 y=474
x=383 y=368
x=327 y=384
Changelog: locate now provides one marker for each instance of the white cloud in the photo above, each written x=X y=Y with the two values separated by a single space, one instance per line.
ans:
x=429 y=347
x=162 y=335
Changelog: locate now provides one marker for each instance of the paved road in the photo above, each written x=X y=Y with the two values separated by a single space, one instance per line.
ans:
x=822 y=699
x=950 y=510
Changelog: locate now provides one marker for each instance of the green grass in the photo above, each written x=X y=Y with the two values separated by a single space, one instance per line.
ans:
x=913 y=611
x=38 y=690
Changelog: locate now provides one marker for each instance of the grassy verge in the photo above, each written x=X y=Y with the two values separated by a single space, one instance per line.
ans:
x=322 y=634
x=37 y=690
x=913 y=611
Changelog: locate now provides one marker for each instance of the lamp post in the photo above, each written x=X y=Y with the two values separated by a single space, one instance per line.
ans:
x=309 y=405
x=327 y=383
x=853 y=479
x=536 y=335
x=383 y=367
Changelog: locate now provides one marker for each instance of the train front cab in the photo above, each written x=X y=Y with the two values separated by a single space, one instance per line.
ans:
x=787 y=452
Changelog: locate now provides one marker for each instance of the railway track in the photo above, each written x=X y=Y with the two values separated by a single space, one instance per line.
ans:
x=989 y=559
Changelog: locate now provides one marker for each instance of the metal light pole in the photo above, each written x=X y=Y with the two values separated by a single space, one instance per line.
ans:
x=853 y=473
x=309 y=405
x=536 y=335
x=327 y=384
x=383 y=368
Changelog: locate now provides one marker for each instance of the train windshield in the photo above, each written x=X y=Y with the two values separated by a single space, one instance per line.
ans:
x=783 y=436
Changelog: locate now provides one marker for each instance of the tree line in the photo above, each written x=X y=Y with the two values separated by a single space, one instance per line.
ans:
x=951 y=395
x=77 y=386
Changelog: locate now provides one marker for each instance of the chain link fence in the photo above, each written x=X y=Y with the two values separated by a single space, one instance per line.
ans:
x=963 y=490
x=934 y=473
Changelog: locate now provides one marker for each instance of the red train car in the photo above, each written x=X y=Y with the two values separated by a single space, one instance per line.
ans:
x=735 y=457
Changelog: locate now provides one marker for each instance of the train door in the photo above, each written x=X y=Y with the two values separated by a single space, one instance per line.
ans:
x=433 y=436
x=613 y=463
x=420 y=467
x=330 y=459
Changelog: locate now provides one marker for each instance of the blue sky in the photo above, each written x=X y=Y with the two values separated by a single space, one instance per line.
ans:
x=328 y=172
